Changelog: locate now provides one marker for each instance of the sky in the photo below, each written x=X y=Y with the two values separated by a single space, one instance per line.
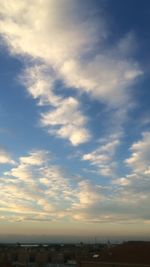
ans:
x=75 y=118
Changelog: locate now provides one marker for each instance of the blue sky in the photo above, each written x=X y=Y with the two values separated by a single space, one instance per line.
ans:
x=75 y=117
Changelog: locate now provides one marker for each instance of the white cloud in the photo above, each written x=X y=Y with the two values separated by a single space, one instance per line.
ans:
x=63 y=46
x=105 y=77
x=87 y=194
x=5 y=157
x=139 y=161
x=123 y=181
x=49 y=27
x=135 y=186
x=35 y=158
x=58 y=44
x=39 y=82
x=103 y=157
x=41 y=191
x=27 y=164
x=35 y=187
x=111 y=204
x=22 y=172
x=65 y=119
x=68 y=120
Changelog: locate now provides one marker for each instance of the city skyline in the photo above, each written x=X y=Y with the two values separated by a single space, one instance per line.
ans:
x=75 y=118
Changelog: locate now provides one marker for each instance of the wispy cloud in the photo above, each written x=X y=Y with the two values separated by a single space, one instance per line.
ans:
x=67 y=121
x=104 y=157
x=5 y=157
x=60 y=45
x=33 y=187
x=140 y=157
x=63 y=45
x=64 y=117
x=103 y=77
x=37 y=157
x=42 y=191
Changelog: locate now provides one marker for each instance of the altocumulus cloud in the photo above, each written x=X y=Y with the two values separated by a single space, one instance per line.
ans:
x=103 y=157
x=31 y=191
x=5 y=157
x=59 y=44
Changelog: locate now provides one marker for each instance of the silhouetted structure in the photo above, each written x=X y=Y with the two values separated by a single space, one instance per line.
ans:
x=131 y=253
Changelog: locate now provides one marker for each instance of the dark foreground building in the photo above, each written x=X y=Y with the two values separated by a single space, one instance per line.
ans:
x=128 y=254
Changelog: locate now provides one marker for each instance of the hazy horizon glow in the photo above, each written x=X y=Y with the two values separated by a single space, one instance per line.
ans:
x=75 y=118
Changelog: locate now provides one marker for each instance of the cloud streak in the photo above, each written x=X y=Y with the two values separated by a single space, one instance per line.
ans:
x=68 y=60
x=5 y=157
x=103 y=157
x=67 y=46
x=140 y=157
